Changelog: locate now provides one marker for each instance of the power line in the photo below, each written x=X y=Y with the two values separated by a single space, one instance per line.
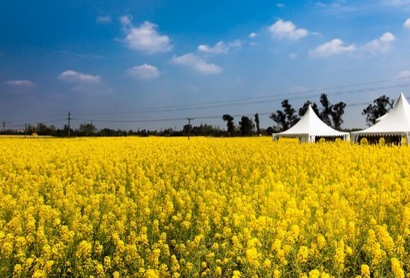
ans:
x=20 y=124
x=256 y=99
x=341 y=90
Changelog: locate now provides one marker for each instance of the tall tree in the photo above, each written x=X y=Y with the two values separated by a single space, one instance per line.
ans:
x=286 y=118
x=380 y=107
x=280 y=119
x=229 y=119
x=338 y=110
x=331 y=114
x=326 y=111
x=246 y=126
x=291 y=116
x=305 y=106
x=258 y=130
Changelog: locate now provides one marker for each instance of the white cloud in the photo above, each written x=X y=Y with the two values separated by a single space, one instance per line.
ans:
x=20 y=83
x=103 y=19
x=145 y=38
x=196 y=63
x=381 y=44
x=333 y=47
x=220 y=47
x=252 y=35
x=144 y=71
x=126 y=20
x=406 y=24
x=286 y=29
x=79 y=78
x=404 y=74
x=280 y=5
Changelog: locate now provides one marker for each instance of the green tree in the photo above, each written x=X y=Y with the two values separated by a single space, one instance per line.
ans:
x=380 y=107
x=326 y=112
x=305 y=106
x=286 y=118
x=246 y=126
x=229 y=119
x=87 y=130
x=258 y=129
x=338 y=110
x=331 y=114
x=270 y=130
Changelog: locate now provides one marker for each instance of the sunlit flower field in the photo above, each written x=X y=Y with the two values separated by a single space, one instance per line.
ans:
x=204 y=207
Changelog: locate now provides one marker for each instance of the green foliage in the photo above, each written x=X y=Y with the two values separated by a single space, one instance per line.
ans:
x=380 y=107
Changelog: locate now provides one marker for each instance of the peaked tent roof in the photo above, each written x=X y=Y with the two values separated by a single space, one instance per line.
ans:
x=310 y=126
x=396 y=122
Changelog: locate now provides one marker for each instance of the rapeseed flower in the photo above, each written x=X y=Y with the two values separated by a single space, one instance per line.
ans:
x=168 y=207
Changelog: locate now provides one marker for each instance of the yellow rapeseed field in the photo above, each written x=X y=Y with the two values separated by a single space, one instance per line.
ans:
x=205 y=207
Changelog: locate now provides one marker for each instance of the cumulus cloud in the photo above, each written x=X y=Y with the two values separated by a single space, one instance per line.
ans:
x=196 y=63
x=381 y=44
x=145 y=38
x=20 y=83
x=287 y=30
x=144 y=71
x=404 y=74
x=252 y=35
x=335 y=46
x=79 y=78
x=220 y=47
x=406 y=24
x=104 y=19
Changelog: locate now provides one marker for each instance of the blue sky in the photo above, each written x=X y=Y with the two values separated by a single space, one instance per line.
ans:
x=150 y=64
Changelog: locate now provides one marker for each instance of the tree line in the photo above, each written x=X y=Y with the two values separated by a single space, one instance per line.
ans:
x=331 y=114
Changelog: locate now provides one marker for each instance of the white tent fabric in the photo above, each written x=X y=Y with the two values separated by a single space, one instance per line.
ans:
x=396 y=122
x=309 y=127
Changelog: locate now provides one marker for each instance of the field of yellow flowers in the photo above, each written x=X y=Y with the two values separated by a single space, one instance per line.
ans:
x=205 y=207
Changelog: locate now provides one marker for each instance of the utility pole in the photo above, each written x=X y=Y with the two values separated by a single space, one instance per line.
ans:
x=4 y=126
x=189 y=126
x=69 y=119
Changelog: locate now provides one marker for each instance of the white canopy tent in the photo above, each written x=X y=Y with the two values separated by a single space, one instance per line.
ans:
x=309 y=127
x=396 y=122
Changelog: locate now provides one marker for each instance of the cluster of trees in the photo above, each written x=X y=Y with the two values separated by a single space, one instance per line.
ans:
x=331 y=114
x=246 y=126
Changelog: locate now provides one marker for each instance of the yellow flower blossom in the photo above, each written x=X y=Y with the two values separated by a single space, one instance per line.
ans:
x=396 y=268
x=365 y=271
x=212 y=207
x=302 y=255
